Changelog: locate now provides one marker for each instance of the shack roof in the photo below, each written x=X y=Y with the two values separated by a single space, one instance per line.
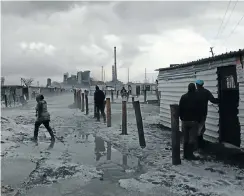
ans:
x=240 y=52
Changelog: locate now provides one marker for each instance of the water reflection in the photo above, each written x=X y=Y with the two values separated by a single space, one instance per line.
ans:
x=109 y=150
x=99 y=148
x=84 y=136
x=51 y=145
x=124 y=158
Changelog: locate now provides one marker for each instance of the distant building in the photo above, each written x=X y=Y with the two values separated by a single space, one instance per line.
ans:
x=79 y=77
x=86 y=77
x=2 y=81
x=49 y=82
x=72 y=80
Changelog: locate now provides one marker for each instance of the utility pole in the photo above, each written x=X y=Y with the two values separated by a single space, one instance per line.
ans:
x=211 y=50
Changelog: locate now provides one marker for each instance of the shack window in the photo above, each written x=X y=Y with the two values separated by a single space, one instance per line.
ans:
x=228 y=82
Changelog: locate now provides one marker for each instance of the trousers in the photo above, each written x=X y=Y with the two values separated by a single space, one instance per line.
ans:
x=190 y=131
x=47 y=126
x=100 y=108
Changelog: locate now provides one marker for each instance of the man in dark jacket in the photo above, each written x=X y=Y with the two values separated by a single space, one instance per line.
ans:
x=189 y=107
x=123 y=92
x=99 y=98
x=205 y=96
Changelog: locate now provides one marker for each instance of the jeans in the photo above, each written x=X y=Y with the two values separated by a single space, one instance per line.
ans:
x=189 y=129
x=100 y=108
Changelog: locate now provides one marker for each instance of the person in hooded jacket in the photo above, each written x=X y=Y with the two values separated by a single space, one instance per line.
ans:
x=43 y=117
x=190 y=115
x=123 y=92
x=205 y=96
x=99 y=98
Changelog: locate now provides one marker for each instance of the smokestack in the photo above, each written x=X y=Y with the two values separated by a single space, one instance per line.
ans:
x=102 y=74
x=115 y=65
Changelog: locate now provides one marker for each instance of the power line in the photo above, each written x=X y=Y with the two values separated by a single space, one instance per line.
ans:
x=223 y=19
x=233 y=30
x=229 y=16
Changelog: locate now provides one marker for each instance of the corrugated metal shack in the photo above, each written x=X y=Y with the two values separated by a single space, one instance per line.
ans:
x=223 y=76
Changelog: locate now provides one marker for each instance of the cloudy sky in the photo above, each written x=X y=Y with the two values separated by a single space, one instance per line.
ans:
x=46 y=39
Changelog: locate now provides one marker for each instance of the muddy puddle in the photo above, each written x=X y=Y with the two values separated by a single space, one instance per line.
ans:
x=23 y=169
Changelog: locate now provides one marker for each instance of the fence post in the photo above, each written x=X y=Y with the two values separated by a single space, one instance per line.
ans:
x=175 y=134
x=117 y=94
x=86 y=97
x=124 y=116
x=112 y=96
x=79 y=99
x=82 y=102
x=139 y=123
x=145 y=96
x=75 y=97
x=6 y=100
x=108 y=105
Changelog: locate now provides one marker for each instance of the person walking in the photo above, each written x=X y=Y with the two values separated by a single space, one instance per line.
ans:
x=205 y=96
x=43 y=117
x=99 y=98
x=189 y=109
x=123 y=92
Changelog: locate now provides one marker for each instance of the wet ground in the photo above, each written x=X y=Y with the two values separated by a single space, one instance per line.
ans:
x=88 y=158
x=47 y=168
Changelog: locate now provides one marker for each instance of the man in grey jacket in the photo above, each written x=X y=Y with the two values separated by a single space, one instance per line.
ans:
x=43 y=117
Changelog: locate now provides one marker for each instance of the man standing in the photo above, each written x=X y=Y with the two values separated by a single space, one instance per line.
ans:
x=189 y=107
x=205 y=96
x=123 y=92
x=99 y=98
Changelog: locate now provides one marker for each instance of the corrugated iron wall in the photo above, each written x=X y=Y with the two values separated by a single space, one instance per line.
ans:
x=171 y=92
x=175 y=85
x=212 y=122
x=241 y=112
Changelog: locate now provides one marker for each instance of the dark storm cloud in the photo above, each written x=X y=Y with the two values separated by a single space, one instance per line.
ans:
x=30 y=8
x=151 y=11
x=72 y=26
